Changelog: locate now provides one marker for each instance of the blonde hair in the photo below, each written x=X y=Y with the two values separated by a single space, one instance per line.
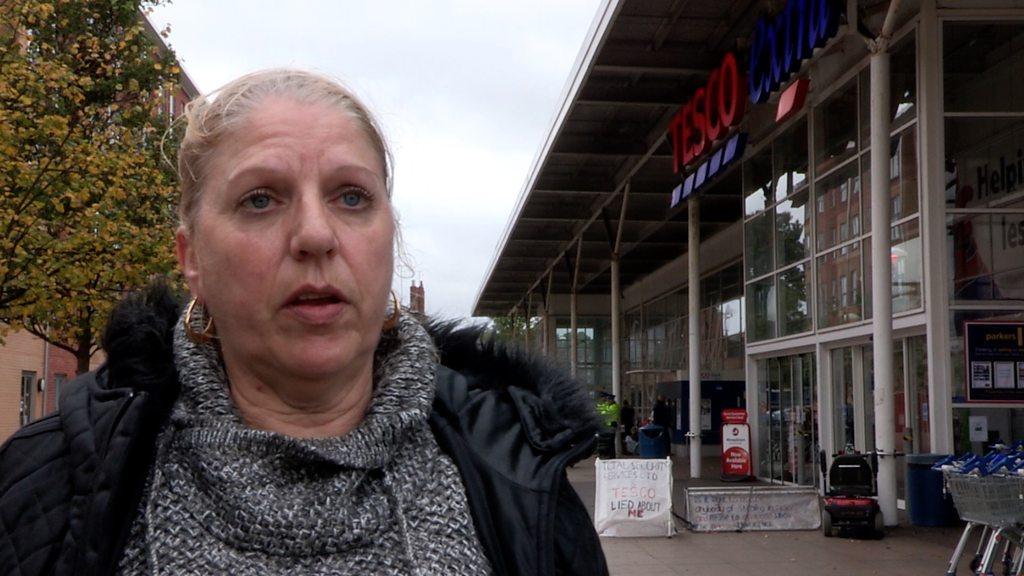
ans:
x=212 y=117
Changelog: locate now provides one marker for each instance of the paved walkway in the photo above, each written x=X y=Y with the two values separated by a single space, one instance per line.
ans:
x=906 y=550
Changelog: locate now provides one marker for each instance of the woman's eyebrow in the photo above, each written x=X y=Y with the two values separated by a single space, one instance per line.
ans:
x=259 y=167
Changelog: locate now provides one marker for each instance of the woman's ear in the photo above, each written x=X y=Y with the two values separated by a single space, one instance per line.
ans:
x=185 y=250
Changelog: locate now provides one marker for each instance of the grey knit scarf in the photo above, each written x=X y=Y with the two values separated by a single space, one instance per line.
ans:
x=224 y=498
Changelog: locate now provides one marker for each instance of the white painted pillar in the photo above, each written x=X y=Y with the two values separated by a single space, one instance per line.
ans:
x=931 y=142
x=754 y=411
x=616 y=321
x=881 y=284
x=826 y=426
x=572 y=333
x=693 y=291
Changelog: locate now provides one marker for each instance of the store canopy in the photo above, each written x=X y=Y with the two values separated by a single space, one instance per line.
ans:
x=641 y=61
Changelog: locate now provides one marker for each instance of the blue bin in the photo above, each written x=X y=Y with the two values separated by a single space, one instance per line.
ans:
x=927 y=505
x=653 y=442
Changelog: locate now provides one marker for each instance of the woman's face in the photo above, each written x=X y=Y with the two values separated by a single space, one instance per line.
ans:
x=291 y=246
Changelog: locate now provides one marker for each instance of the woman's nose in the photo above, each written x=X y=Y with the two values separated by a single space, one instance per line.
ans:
x=314 y=233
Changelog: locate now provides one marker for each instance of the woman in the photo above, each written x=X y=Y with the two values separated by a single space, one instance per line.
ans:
x=291 y=420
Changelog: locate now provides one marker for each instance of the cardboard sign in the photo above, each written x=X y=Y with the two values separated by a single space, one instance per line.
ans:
x=736 y=450
x=634 y=498
x=753 y=508
x=994 y=363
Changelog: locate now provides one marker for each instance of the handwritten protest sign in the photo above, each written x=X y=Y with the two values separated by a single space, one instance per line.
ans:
x=753 y=508
x=634 y=498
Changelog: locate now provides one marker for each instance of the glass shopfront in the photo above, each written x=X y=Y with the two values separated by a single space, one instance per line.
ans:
x=800 y=233
x=853 y=412
x=788 y=419
x=983 y=74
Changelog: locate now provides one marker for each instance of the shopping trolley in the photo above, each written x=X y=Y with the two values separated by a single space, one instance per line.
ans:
x=995 y=504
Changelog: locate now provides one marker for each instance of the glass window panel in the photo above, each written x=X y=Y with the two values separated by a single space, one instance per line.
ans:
x=732 y=282
x=839 y=288
x=986 y=252
x=835 y=123
x=790 y=160
x=969 y=243
x=907 y=267
x=842 y=398
x=732 y=317
x=757 y=182
x=984 y=162
x=839 y=217
x=903 y=89
x=758 y=240
x=918 y=385
x=902 y=178
x=794 y=303
x=1007 y=256
x=983 y=66
x=904 y=163
x=761 y=309
x=792 y=229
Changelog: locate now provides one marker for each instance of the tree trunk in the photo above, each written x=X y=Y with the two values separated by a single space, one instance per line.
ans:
x=82 y=354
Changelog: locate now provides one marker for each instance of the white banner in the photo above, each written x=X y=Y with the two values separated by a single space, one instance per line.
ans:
x=634 y=498
x=753 y=508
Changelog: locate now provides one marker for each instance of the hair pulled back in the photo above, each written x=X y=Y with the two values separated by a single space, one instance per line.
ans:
x=212 y=117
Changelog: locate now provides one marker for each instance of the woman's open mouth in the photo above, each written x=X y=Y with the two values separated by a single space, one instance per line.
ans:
x=316 y=305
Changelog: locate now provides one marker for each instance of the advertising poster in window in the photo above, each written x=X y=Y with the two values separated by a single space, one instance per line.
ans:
x=995 y=361
x=987 y=172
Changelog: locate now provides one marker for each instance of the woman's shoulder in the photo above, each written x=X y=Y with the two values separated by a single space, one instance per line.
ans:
x=490 y=383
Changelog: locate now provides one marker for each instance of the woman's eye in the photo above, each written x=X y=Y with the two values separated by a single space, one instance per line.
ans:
x=352 y=198
x=257 y=200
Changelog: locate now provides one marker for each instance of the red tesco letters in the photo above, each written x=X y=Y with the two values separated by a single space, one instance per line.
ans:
x=711 y=112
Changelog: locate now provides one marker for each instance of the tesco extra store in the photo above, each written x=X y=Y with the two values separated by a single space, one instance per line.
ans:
x=805 y=124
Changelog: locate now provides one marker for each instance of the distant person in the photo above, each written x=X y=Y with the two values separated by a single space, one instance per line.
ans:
x=662 y=414
x=291 y=419
x=628 y=416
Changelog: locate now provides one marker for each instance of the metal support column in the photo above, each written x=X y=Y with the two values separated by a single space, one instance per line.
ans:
x=616 y=297
x=616 y=321
x=573 y=326
x=881 y=281
x=572 y=333
x=693 y=290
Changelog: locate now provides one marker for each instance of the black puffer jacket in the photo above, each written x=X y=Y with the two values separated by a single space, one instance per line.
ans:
x=70 y=484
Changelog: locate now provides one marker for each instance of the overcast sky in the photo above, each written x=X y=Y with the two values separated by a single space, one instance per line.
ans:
x=466 y=91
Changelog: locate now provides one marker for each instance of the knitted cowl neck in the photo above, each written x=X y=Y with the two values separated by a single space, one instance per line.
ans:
x=225 y=496
x=403 y=376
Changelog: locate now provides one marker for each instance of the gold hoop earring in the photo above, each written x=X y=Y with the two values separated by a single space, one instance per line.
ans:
x=396 y=311
x=208 y=333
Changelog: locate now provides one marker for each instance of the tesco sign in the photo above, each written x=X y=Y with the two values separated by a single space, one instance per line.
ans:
x=707 y=117
x=781 y=44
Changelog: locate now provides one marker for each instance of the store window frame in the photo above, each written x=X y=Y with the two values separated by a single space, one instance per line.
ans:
x=769 y=212
x=950 y=211
x=862 y=158
x=960 y=307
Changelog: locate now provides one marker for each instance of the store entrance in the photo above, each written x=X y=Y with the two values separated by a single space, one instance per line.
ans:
x=788 y=419
x=853 y=403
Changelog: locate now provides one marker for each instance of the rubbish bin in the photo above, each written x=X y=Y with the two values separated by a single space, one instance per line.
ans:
x=653 y=442
x=928 y=506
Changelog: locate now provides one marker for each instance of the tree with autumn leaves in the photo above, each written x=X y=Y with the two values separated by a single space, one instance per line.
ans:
x=86 y=201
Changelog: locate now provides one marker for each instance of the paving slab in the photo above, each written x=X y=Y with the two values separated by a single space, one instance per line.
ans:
x=905 y=550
